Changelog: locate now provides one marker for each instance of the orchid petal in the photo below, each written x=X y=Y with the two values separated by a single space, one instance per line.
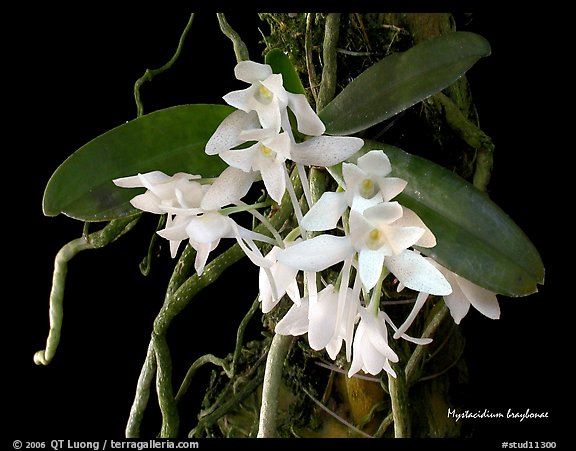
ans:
x=209 y=227
x=189 y=194
x=325 y=150
x=457 y=302
x=318 y=253
x=361 y=204
x=135 y=181
x=279 y=143
x=333 y=347
x=147 y=202
x=175 y=232
x=240 y=158
x=273 y=177
x=227 y=135
x=325 y=214
x=411 y=219
x=284 y=278
x=359 y=228
x=230 y=186
x=251 y=71
x=401 y=238
x=275 y=84
x=352 y=176
x=371 y=264
x=295 y=322
x=384 y=213
x=202 y=252
x=390 y=187
x=322 y=318
x=375 y=162
x=307 y=120
x=154 y=178
x=377 y=333
x=373 y=361
x=256 y=133
x=357 y=362
x=418 y=274
x=481 y=299
x=243 y=99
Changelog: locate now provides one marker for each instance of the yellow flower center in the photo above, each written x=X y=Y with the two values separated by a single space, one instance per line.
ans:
x=374 y=240
x=266 y=151
x=265 y=94
x=367 y=188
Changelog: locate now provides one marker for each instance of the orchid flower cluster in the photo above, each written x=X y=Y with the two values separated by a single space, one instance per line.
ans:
x=360 y=225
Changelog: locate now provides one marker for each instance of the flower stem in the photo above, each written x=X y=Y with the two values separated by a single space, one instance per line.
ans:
x=271 y=385
x=398 y=389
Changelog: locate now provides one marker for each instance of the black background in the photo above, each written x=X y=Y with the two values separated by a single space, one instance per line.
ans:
x=70 y=78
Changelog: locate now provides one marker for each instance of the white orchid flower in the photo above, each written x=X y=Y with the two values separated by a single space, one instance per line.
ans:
x=178 y=195
x=379 y=241
x=193 y=211
x=265 y=95
x=466 y=294
x=295 y=321
x=328 y=321
x=365 y=184
x=270 y=100
x=162 y=190
x=266 y=157
x=271 y=149
x=284 y=279
x=380 y=238
x=331 y=319
x=371 y=352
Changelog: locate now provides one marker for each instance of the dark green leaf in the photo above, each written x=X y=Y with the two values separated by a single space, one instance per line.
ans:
x=401 y=80
x=475 y=237
x=281 y=64
x=169 y=140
